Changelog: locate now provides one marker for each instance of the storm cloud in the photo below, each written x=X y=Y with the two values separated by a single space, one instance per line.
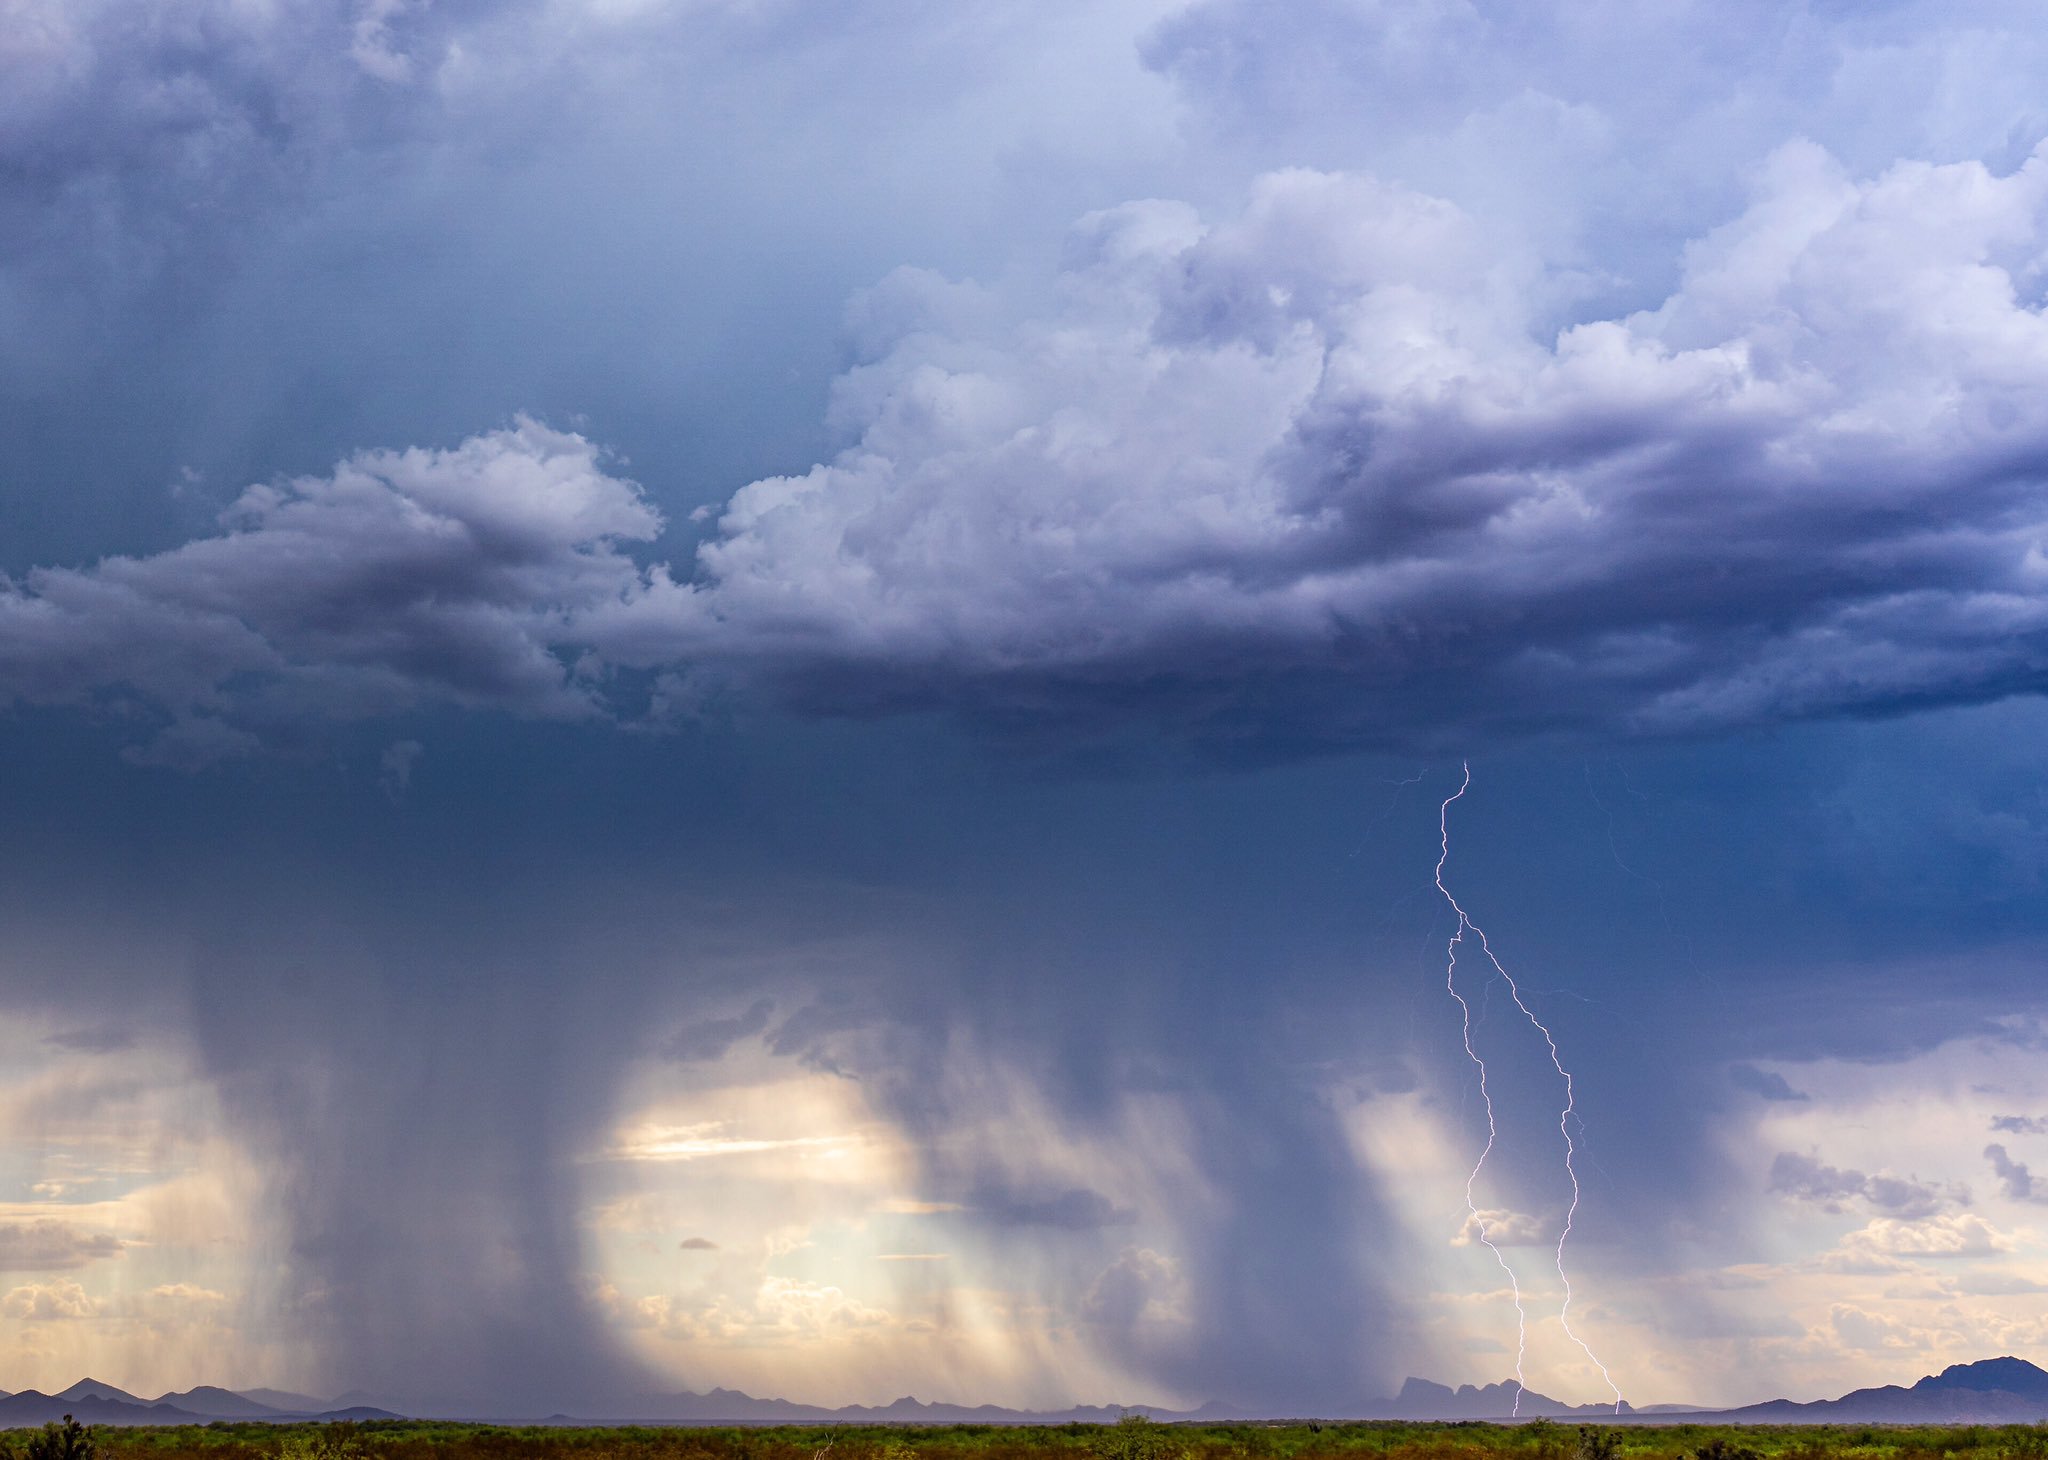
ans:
x=602 y=491
x=1902 y=1197
x=1312 y=457
x=2014 y=1178
x=403 y=578
x=1764 y=1084
x=1303 y=478
x=47 y=1245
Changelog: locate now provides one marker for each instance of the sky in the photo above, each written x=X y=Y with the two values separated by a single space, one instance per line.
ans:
x=762 y=693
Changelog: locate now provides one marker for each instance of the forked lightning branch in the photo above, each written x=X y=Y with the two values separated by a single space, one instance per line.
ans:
x=1567 y=1113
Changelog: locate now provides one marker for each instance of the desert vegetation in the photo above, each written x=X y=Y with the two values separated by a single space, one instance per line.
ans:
x=1134 y=1438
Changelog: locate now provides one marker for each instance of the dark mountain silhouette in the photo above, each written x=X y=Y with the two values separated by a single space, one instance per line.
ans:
x=32 y=1407
x=1420 y=1399
x=91 y=1402
x=730 y=1405
x=1991 y=1391
x=210 y=1400
x=94 y=1389
x=2004 y=1390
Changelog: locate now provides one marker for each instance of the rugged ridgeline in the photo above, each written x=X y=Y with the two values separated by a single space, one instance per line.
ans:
x=1991 y=1391
x=1421 y=1400
x=91 y=1402
x=2004 y=1390
x=731 y=1405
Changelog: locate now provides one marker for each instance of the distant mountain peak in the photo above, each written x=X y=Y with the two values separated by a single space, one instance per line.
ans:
x=2004 y=1390
x=90 y=1388
x=214 y=1400
x=1426 y=1399
x=1413 y=1388
x=2006 y=1375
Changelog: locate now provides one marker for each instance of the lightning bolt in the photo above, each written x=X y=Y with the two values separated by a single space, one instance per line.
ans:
x=1565 y=1117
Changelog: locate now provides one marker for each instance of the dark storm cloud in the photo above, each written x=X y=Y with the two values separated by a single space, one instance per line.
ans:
x=1305 y=475
x=1301 y=479
x=239 y=240
x=419 y=1090
x=1890 y=1017
x=405 y=578
x=2020 y=1125
x=112 y=93
x=1306 y=471
x=709 y=1039
x=1809 y=1179
x=1764 y=1084
x=144 y=148
x=49 y=1246
x=809 y=1031
x=1075 y=1209
x=2014 y=1179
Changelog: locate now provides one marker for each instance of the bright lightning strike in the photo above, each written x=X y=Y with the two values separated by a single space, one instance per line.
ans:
x=1564 y=1120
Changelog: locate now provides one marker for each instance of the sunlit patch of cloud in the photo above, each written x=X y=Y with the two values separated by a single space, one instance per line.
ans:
x=137 y=1237
x=1140 y=1288
x=700 y=1142
x=1948 y=1235
x=47 y=1302
x=1858 y=1329
x=1504 y=1228
x=983 y=1273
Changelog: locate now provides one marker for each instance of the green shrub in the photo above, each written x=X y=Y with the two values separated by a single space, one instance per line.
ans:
x=1596 y=1444
x=2027 y=1442
x=67 y=1441
x=1134 y=1437
x=1719 y=1448
x=329 y=1442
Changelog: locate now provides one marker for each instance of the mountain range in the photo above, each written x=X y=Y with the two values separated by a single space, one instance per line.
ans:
x=95 y=1403
x=1991 y=1391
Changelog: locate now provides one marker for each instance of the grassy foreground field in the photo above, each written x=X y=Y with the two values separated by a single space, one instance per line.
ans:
x=1134 y=1439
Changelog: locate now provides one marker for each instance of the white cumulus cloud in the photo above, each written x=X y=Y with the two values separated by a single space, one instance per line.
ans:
x=1308 y=475
x=1952 y=1234
x=47 y=1302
